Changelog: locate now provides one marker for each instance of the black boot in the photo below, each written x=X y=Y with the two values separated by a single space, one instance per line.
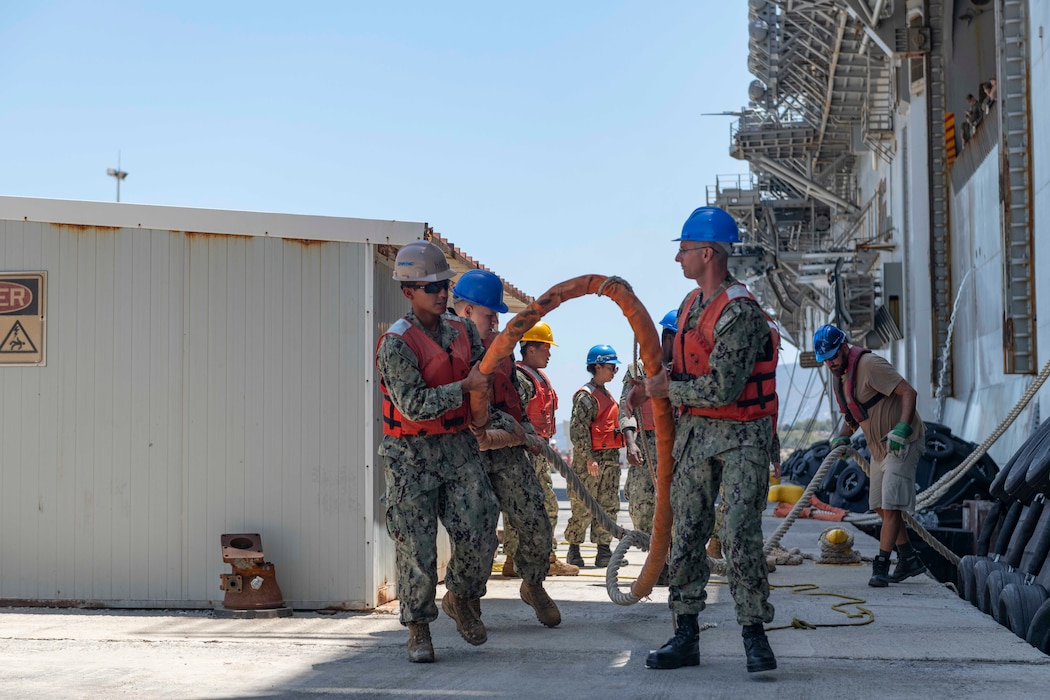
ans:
x=907 y=566
x=880 y=572
x=573 y=557
x=602 y=558
x=683 y=649
x=756 y=647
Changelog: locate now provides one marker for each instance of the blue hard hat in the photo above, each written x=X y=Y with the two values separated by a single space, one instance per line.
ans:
x=602 y=355
x=710 y=224
x=483 y=288
x=670 y=320
x=827 y=341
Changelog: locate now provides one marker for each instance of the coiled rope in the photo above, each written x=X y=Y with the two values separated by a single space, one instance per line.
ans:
x=773 y=543
x=837 y=552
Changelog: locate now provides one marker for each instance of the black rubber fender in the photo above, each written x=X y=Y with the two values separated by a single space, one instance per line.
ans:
x=1016 y=484
x=937 y=427
x=981 y=571
x=997 y=581
x=1020 y=461
x=938 y=446
x=851 y=482
x=1038 y=474
x=831 y=479
x=820 y=450
x=964 y=577
x=1022 y=456
x=1038 y=634
x=1018 y=604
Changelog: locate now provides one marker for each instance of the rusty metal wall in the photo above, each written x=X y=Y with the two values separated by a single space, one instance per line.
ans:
x=196 y=384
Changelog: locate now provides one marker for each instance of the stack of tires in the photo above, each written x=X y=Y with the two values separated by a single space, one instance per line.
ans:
x=1012 y=581
x=845 y=484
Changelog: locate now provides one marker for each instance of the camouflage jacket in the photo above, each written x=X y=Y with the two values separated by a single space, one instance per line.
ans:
x=584 y=411
x=419 y=462
x=740 y=336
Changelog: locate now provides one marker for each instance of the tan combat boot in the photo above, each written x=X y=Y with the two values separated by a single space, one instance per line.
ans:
x=466 y=615
x=714 y=548
x=559 y=568
x=508 y=569
x=420 y=648
x=546 y=611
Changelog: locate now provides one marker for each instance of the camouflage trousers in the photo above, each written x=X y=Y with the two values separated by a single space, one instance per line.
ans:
x=639 y=489
x=743 y=473
x=514 y=481
x=468 y=509
x=606 y=491
x=550 y=505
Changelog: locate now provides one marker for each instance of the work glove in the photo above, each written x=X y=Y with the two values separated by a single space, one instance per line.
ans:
x=839 y=441
x=897 y=439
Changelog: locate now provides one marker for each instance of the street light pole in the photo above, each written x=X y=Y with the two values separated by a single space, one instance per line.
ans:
x=118 y=174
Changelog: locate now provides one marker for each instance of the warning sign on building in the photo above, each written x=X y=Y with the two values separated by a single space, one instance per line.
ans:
x=23 y=310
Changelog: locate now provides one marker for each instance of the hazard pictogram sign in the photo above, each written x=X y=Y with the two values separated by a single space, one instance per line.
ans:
x=23 y=312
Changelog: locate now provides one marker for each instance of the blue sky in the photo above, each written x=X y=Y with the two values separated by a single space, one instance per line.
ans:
x=547 y=140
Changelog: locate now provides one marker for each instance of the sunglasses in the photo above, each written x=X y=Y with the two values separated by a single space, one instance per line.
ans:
x=430 y=287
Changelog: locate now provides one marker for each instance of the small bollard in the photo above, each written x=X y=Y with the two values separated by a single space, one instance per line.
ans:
x=253 y=584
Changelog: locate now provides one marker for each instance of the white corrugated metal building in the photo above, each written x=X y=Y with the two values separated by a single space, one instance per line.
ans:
x=203 y=372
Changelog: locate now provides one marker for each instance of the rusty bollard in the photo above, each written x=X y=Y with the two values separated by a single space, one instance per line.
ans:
x=253 y=584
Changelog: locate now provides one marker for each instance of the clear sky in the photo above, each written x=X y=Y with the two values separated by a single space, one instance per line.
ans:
x=545 y=139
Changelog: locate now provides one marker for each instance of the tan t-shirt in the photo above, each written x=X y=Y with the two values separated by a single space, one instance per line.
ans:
x=876 y=375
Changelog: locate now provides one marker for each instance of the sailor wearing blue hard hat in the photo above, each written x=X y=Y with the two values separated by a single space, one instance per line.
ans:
x=594 y=429
x=478 y=295
x=875 y=398
x=723 y=383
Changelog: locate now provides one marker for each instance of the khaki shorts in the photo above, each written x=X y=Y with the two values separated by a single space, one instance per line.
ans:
x=893 y=481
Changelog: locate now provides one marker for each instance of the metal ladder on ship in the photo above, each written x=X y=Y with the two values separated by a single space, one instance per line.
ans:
x=940 y=224
x=1015 y=128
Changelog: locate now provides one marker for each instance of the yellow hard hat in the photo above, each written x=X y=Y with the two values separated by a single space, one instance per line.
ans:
x=540 y=333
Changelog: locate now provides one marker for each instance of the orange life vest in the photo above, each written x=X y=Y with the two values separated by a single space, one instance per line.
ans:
x=605 y=428
x=692 y=354
x=438 y=368
x=505 y=395
x=543 y=404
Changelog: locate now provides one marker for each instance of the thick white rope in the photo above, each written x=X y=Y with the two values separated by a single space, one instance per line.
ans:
x=835 y=455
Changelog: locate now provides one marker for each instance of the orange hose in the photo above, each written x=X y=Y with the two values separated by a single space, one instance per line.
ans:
x=649 y=349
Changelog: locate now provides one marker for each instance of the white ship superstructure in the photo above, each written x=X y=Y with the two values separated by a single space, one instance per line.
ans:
x=875 y=202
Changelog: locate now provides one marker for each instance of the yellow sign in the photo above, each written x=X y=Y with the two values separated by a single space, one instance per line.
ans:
x=23 y=311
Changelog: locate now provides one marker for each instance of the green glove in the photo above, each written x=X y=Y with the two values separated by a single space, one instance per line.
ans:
x=839 y=441
x=898 y=438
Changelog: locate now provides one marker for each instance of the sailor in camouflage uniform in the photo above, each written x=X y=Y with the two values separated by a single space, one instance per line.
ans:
x=426 y=363
x=724 y=385
x=541 y=401
x=594 y=429
x=478 y=295
x=641 y=459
